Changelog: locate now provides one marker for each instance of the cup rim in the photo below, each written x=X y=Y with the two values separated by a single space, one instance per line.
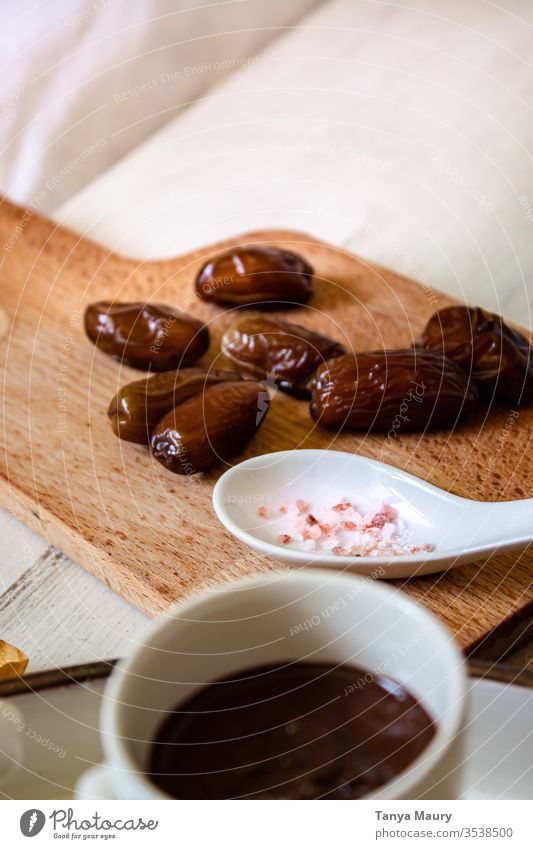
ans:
x=119 y=760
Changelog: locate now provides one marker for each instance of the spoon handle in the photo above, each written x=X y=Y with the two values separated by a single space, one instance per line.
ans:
x=508 y=521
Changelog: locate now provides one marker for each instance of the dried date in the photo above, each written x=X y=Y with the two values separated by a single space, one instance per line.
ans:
x=498 y=357
x=140 y=405
x=153 y=337
x=381 y=390
x=256 y=275
x=269 y=347
x=211 y=427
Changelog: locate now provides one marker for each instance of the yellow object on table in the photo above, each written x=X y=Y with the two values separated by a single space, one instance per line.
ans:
x=13 y=661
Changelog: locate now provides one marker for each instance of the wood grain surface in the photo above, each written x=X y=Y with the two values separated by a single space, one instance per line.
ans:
x=152 y=536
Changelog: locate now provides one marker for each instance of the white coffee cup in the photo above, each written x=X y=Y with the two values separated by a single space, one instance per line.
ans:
x=313 y=615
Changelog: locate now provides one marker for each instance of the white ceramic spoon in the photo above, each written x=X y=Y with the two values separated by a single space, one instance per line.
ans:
x=460 y=530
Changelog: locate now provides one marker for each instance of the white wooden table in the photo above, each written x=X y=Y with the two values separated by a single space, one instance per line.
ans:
x=401 y=131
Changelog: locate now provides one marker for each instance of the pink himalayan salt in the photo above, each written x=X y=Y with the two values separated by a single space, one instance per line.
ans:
x=343 y=530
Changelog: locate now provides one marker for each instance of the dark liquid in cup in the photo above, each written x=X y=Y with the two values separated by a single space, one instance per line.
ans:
x=300 y=731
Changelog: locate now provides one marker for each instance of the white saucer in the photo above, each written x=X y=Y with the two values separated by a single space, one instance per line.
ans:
x=65 y=720
x=498 y=742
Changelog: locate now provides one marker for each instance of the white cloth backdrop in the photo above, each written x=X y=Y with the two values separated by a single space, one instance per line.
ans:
x=82 y=82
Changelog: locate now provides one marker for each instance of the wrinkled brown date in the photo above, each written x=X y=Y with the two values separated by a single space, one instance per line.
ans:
x=272 y=348
x=389 y=391
x=254 y=275
x=146 y=336
x=210 y=427
x=498 y=357
x=140 y=405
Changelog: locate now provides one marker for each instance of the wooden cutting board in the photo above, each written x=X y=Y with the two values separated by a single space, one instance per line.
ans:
x=152 y=536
